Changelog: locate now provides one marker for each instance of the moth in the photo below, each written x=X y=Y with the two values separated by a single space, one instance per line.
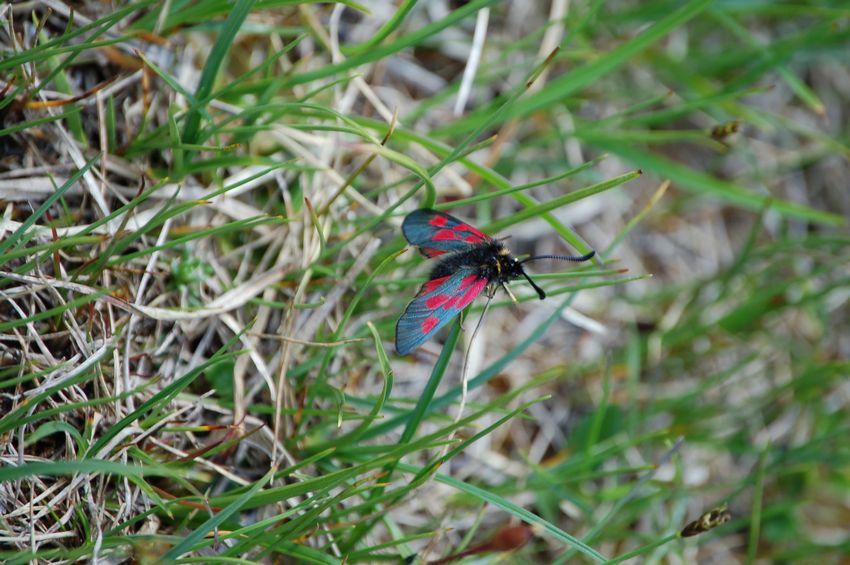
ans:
x=470 y=262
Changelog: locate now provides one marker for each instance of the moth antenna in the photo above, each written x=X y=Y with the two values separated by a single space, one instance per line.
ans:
x=539 y=290
x=576 y=259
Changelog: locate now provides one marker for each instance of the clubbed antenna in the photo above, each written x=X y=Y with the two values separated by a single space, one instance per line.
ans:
x=539 y=290
x=576 y=259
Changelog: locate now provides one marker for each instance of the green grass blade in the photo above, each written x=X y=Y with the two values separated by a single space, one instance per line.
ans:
x=217 y=519
x=514 y=510
x=213 y=63
x=12 y=239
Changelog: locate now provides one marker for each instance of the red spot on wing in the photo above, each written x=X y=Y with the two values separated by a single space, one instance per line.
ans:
x=438 y=221
x=442 y=300
x=431 y=252
x=471 y=293
x=432 y=285
x=429 y=323
x=470 y=287
x=436 y=301
x=445 y=235
x=467 y=280
x=477 y=234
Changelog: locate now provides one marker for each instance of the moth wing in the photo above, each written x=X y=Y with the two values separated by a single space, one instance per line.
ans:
x=437 y=303
x=435 y=233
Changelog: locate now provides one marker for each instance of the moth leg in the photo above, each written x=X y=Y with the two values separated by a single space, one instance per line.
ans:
x=511 y=294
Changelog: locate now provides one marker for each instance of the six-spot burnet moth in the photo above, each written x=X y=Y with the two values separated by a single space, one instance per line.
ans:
x=470 y=261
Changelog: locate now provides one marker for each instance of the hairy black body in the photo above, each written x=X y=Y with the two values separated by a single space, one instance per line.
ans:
x=491 y=260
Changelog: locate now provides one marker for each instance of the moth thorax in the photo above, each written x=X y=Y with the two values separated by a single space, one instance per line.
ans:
x=505 y=267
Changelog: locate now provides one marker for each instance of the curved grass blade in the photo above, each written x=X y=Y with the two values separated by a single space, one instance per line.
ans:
x=66 y=468
x=45 y=206
x=217 y=519
x=513 y=509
